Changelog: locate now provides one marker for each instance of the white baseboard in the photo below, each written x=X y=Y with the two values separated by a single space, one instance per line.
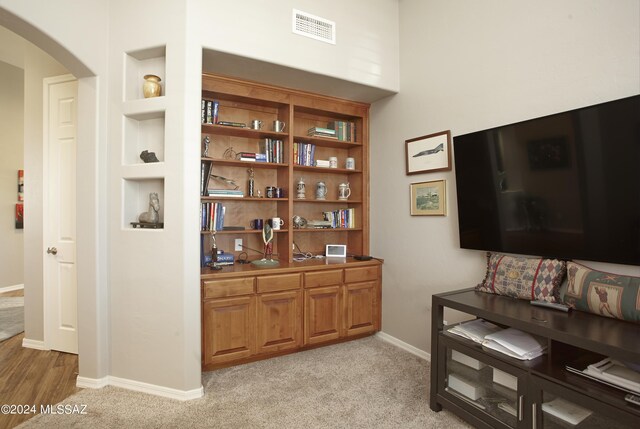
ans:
x=91 y=383
x=404 y=346
x=138 y=386
x=11 y=288
x=33 y=344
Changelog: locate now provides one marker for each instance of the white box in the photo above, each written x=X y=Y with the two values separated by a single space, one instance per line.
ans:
x=505 y=379
x=466 y=360
x=465 y=387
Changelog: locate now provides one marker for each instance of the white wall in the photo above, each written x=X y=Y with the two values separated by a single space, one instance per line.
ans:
x=366 y=49
x=12 y=160
x=467 y=66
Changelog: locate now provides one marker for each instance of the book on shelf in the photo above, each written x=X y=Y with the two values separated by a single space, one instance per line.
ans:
x=205 y=174
x=566 y=411
x=474 y=330
x=273 y=150
x=209 y=113
x=232 y=124
x=212 y=216
x=321 y=132
x=247 y=156
x=304 y=153
x=341 y=218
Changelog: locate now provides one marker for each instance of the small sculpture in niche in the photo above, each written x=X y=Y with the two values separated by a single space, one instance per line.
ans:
x=151 y=86
x=151 y=216
x=147 y=156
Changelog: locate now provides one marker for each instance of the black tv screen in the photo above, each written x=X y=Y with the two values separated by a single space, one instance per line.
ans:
x=565 y=185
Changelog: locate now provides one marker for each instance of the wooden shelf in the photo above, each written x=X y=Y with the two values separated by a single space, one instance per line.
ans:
x=256 y=199
x=328 y=201
x=249 y=133
x=243 y=231
x=327 y=142
x=325 y=170
x=325 y=230
x=244 y=164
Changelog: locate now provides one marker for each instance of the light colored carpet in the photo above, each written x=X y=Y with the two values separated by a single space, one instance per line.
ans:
x=366 y=383
x=11 y=316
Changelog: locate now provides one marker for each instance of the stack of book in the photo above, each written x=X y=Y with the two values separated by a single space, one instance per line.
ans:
x=234 y=193
x=322 y=132
x=344 y=131
x=247 y=156
x=212 y=216
x=342 y=218
x=272 y=149
x=209 y=111
x=304 y=153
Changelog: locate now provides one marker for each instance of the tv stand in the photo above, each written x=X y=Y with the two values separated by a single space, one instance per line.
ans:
x=492 y=390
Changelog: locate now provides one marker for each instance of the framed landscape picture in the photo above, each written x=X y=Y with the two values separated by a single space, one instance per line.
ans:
x=429 y=198
x=429 y=153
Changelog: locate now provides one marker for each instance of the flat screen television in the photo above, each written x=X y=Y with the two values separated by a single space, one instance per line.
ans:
x=565 y=185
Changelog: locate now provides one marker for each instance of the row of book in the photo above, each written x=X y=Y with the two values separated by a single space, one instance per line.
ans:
x=209 y=111
x=304 y=154
x=344 y=131
x=341 y=218
x=205 y=173
x=273 y=149
x=211 y=216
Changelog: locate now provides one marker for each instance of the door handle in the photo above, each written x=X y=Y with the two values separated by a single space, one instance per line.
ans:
x=52 y=251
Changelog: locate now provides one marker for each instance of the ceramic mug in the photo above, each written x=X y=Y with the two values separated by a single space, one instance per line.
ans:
x=350 y=163
x=256 y=124
x=257 y=224
x=333 y=162
x=276 y=223
x=279 y=193
x=270 y=192
x=321 y=191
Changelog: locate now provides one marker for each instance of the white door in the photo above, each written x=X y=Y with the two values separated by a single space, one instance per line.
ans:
x=59 y=211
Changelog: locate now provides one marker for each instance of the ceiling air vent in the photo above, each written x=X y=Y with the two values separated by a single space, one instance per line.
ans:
x=314 y=27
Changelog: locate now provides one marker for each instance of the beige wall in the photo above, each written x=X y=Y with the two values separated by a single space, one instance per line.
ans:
x=11 y=160
x=467 y=66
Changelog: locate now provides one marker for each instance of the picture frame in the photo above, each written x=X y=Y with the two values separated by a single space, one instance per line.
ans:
x=429 y=153
x=429 y=198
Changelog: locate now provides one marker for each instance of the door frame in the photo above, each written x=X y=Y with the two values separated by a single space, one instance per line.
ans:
x=47 y=300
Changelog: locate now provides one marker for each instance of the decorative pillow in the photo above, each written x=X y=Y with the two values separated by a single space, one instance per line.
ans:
x=524 y=278
x=606 y=294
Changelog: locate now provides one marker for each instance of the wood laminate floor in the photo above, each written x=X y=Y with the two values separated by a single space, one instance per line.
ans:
x=33 y=377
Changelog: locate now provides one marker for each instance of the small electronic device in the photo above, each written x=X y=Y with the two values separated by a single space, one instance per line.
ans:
x=336 y=251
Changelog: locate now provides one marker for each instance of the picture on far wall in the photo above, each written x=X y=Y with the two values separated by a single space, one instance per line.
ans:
x=19 y=216
x=20 y=185
x=429 y=198
x=429 y=153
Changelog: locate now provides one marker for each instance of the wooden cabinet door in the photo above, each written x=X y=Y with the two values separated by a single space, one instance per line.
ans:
x=361 y=308
x=279 y=321
x=228 y=329
x=322 y=314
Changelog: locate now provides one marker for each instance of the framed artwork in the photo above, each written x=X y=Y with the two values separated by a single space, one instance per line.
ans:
x=429 y=153
x=20 y=185
x=19 y=216
x=429 y=198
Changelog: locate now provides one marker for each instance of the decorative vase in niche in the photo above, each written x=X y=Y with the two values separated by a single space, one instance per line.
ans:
x=151 y=86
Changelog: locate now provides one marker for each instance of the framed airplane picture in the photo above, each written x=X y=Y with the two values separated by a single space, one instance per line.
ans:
x=429 y=153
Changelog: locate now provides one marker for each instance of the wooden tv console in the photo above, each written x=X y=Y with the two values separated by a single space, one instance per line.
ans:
x=540 y=384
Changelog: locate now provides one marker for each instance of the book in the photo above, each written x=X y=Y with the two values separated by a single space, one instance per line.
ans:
x=615 y=372
x=566 y=411
x=232 y=124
